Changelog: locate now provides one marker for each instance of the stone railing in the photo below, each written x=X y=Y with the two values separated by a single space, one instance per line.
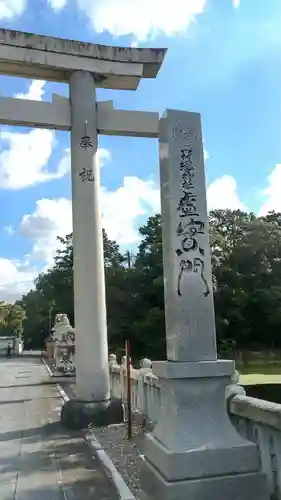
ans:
x=260 y=421
x=145 y=389
x=257 y=420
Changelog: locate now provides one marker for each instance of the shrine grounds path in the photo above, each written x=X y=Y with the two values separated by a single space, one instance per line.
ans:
x=39 y=459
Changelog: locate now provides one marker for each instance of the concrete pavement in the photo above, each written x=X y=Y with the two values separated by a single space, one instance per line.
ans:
x=39 y=460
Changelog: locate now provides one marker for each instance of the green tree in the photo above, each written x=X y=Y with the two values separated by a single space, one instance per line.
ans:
x=35 y=324
x=11 y=319
x=246 y=258
x=248 y=277
x=54 y=289
x=148 y=328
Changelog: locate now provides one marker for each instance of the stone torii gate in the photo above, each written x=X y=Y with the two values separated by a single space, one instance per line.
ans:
x=194 y=452
x=84 y=67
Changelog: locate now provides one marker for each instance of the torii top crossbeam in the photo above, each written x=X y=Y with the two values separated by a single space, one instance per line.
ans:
x=48 y=58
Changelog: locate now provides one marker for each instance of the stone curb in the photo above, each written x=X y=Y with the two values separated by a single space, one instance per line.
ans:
x=47 y=367
x=106 y=463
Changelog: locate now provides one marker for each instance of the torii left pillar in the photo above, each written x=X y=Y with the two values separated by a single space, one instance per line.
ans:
x=83 y=66
x=93 y=403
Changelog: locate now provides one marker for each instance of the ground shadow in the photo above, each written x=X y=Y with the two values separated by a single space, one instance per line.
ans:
x=34 y=433
x=61 y=458
x=22 y=401
x=36 y=384
x=93 y=488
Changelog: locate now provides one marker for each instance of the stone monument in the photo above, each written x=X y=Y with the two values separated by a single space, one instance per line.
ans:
x=64 y=349
x=194 y=452
x=62 y=329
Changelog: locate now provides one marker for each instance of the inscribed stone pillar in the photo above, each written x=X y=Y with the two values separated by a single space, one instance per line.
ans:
x=91 y=356
x=194 y=452
x=189 y=305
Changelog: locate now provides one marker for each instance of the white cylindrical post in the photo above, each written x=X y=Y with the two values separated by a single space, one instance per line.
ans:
x=91 y=355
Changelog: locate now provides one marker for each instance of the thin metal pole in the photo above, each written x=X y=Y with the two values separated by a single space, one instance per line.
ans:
x=129 y=400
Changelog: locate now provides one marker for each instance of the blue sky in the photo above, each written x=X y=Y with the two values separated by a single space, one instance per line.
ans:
x=223 y=61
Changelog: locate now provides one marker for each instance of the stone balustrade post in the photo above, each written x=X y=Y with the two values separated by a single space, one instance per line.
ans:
x=112 y=360
x=57 y=355
x=115 y=376
x=145 y=369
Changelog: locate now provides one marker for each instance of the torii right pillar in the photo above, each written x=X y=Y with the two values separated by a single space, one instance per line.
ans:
x=194 y=452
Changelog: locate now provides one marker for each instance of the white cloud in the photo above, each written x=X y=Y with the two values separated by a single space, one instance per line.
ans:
x=144 y=19
x=14 y=280
x=12 y=8
x=24 y=155
x=57 y=5
x=104 y=156
x=236 y=4
x=222 y=194
x=122 y=207
x=23 y=162
x=272 y=192
x=53 y=218
x=64 y=164
x=35 y=92
x=10 y=230
x=50 y=219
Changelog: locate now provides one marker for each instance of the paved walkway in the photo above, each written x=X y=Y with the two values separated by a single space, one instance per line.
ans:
x=39 y=460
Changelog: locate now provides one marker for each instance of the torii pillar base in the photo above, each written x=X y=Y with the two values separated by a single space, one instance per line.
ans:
x=77 y=414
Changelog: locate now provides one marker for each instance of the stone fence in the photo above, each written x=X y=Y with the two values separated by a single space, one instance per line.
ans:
x=257 y=420
x=145 y=389
x=260 y=421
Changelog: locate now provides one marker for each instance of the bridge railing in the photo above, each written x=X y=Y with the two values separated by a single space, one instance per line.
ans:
x=257 y=420
x=145 y=388
x=260 y=422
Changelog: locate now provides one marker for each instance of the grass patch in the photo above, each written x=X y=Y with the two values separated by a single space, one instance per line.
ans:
x=260 y=373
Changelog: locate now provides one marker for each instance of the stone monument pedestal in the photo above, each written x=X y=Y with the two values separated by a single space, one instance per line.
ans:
x=195 y=452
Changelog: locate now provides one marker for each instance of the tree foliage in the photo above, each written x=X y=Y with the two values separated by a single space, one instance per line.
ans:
x=246 y=258
x=11 y=319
